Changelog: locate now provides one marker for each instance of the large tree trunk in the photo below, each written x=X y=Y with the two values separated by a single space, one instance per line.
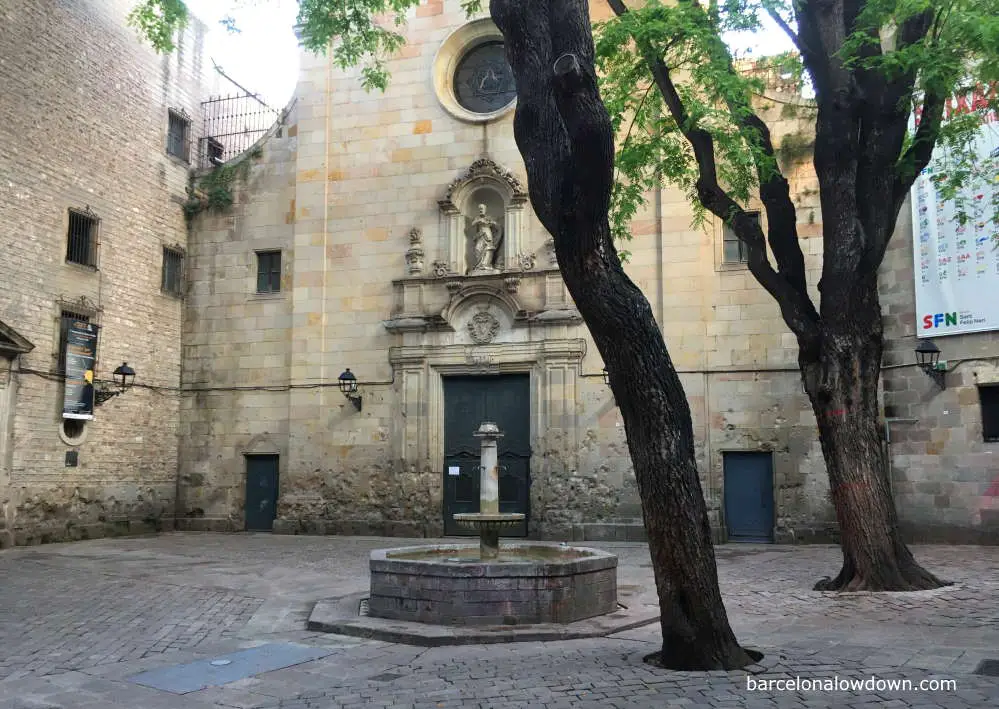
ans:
x=565 y=136
x=842 y=383
x=695 y=627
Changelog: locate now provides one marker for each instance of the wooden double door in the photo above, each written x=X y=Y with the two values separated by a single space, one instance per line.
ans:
x=468 y=401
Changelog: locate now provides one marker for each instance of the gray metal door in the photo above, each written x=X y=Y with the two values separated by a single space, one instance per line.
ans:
x=261 y=492
x=749 y=496
x=468 y=401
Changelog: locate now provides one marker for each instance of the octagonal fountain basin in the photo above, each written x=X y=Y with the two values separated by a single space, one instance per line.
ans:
x=527 y=583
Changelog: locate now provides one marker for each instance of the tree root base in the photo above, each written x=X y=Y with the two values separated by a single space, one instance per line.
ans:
x=913 y=579
x=687 y=664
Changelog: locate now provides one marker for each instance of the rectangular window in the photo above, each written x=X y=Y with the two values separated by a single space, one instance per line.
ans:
x=81 y=240
x=733 y=250
x=178 y=135
x=66 y=318
x=268 y=271
x=173 y=271
x=989 y=398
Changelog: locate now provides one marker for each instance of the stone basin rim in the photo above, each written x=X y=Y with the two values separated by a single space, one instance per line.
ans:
x=589 y=561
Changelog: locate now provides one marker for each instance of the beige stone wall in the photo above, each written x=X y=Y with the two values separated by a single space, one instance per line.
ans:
x=341 y=198
x=83 y=123
x=944 y=475
x=238 y=345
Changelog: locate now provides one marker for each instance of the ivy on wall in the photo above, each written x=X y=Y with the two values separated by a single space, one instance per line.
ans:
x=214 y=191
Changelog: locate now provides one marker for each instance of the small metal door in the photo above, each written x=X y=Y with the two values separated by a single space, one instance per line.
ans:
x=749 y=496
x=261 y=492
x=468 y=401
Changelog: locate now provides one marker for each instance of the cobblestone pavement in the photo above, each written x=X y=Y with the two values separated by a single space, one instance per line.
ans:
x=77 y=619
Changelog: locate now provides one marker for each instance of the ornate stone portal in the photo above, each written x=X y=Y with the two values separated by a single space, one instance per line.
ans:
x=482 y=305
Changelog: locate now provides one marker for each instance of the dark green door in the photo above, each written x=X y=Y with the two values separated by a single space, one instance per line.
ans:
x=468 y=401
x=261 y=492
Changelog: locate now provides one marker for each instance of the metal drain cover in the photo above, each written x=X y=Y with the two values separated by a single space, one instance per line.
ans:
x=989 y=668
x=386 y=677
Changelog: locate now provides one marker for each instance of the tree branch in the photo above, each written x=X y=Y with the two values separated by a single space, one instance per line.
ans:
x=787 y=286
x=783 y=24
x=918 y=155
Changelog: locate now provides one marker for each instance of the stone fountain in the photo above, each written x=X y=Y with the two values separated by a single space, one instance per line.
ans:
x=489 y=520
x=520 y=583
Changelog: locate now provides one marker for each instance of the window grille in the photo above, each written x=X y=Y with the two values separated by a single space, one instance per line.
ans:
x=733 y=250
x=173 y=271
x=178 y=136
x=66 y=318
x=268 y=271
x=81 y=241
x=989 y=398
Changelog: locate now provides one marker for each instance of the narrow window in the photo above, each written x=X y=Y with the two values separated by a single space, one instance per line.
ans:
x=81 y=241
x=66 y=318
x=733 y=250
x=178 y=135
x=989 y=398
x=268 y=271
x=173 y=271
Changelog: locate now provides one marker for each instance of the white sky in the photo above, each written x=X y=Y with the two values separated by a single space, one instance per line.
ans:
x=264 y=55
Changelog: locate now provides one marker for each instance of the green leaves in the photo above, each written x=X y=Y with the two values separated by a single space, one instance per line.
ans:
x=653 y=149
x=158 y=21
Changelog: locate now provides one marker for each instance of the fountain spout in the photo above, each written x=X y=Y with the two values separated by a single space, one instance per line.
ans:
x=489 y=520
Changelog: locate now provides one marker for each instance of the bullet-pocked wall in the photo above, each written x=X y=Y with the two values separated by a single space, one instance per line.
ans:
x=84 y=119
x=371 y=201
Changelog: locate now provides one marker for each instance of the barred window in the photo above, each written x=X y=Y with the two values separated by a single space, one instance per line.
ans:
x=67 y=318
x=733 y=250
x=173 y=271
x=989 y=398
x=178 y=135
x=268 y=271
x=81 y=241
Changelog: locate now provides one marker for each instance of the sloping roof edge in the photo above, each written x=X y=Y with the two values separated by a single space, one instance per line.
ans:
x=11 y=342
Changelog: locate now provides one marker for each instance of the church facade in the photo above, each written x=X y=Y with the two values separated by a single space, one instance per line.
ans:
x=379 y=287
x=391 y=234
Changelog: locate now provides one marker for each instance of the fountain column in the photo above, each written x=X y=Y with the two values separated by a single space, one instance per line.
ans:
x=489 y=434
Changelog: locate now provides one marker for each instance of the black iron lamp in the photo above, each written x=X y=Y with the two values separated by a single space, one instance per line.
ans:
x=606 y=377
x=928 y=358
x=124 y=378
x=348 y=385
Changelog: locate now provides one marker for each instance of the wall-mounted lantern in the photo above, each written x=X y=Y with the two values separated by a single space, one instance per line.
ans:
x=928 y=357
x=606 y=377
x=124 y=378
x=348 y=385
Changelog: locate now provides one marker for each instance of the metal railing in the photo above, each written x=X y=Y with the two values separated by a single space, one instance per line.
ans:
x=232 y=124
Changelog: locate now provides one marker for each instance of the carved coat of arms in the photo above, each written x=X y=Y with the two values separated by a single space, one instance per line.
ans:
x=483 y=327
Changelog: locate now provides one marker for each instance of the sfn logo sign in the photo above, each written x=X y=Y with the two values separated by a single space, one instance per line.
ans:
x=944 y=319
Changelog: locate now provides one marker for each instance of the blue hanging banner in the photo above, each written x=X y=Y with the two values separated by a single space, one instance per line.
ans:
x=81 y=353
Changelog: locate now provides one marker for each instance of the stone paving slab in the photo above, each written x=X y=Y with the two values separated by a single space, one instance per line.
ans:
x=217 y=671
x=77 y=619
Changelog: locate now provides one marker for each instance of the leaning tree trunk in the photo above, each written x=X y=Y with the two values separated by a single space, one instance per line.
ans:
x=565 y=136
x=842 y=383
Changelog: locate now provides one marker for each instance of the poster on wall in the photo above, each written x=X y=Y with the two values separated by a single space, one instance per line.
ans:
x=81 y=352
x=956 y=265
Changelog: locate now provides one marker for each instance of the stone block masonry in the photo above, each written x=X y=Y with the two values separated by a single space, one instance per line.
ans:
x=83 y=126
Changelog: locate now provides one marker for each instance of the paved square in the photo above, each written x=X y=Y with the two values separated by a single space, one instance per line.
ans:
x=78 y=620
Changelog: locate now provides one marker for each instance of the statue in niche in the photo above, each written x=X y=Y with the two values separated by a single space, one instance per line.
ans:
x=486 y=238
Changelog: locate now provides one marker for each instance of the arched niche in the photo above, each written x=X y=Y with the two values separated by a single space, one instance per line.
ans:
x=484 y=182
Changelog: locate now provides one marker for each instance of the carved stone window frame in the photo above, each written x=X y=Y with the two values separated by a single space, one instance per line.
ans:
x=484 y=173
x=452 y=50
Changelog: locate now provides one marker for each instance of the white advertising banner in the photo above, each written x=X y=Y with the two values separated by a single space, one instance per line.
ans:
x=957 y=265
